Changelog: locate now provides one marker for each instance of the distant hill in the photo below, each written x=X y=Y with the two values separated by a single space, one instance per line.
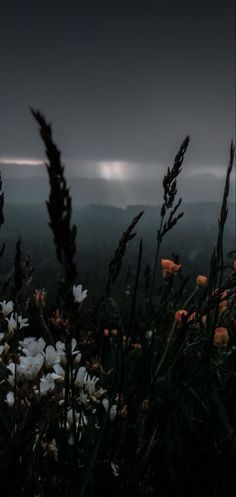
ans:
x=34 y=190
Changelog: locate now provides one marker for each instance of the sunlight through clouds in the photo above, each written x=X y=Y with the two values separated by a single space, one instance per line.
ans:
x=113 y=170
x=21 y=161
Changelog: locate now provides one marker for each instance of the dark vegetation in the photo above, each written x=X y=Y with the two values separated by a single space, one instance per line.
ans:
x=99 y=227
x=131 y=391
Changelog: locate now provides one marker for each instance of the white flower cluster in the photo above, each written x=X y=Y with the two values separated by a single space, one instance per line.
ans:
x=42 y=368
x=36 y=371
x=15 y=320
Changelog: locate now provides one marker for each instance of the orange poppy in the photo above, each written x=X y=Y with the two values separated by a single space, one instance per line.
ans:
x=221 y=336
x=201 y=280
x=169 y=267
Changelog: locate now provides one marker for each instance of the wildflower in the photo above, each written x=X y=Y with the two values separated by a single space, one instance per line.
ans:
x=10 y=399
x=59 y=321
x=221 y=336
x=12 y=324
x=179 y=315
x=51 y=356
x=113 y=412
x=47 y=383
x=106 y=332
x=4 y=349
x=32 y=347
x=149 y=334
x=59 y=373
x=60 y=346
x=169 y=267
x=22 y=322
x=40 y=297
x=90 y=384
x=79 y=294
x=7 y=307
x=201 y=280
x=105 y=403
x=26 y=370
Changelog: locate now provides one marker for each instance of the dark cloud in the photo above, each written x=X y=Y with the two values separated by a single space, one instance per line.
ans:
x=120 y=80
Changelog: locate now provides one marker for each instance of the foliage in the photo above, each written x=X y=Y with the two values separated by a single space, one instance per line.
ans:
x=137 y=399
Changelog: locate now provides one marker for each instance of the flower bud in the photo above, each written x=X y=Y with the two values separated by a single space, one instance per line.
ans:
x=221 y=336
x=201 y=280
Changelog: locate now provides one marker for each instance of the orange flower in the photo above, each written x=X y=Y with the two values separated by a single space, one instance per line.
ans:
x=201 y=280
x=221 y=336
x=179 y=315
x=137 y=346
x=169 y=267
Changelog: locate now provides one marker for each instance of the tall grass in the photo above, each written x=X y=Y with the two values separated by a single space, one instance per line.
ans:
x=142 y=403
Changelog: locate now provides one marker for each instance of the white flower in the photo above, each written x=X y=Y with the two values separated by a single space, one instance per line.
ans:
x=14 y=321
x=12 y=324
x=27 y=341
x=1 y=336
x=22 y=322
x=51 y=356
x=79 y=380
x=7 y=307
x=75 y=352
x=90 y=384
x=78 y=358
x=149 y=334
x=79 y=294
x=4 y=348
x=60 y=346
x=33 y=347
x=47 y=384
x=113 y=412
x=59 y=372
x=27 y=369
x=10 y=399
x=105 y=403
x=30 y=366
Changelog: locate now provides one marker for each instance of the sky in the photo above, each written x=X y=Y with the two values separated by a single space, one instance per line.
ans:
x=123 y=83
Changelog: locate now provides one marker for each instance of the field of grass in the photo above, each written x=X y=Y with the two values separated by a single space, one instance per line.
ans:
x=130 y=397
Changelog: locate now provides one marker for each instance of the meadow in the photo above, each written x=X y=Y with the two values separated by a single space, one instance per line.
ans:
x=127 y=392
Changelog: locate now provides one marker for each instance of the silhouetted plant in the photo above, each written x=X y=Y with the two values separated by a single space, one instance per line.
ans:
x=59 y=209
x=170 y=192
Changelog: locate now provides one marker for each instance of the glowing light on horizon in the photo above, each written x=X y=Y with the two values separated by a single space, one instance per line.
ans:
x=21 y=161
x=113 y=170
